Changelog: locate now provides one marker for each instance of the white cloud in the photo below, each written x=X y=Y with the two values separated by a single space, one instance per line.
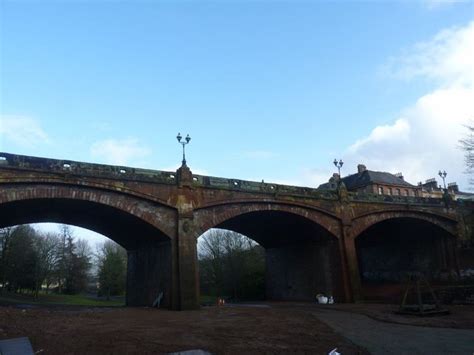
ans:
x=119 y=151
x=387 y=134
x=447 y=58
x=425 y=137
x=317 y=176
x=22 y=130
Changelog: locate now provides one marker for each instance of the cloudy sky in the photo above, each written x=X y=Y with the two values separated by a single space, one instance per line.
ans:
x=270 y=90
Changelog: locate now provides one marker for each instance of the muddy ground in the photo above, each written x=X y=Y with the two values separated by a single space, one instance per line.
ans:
x=219 y=330
x=273 y=328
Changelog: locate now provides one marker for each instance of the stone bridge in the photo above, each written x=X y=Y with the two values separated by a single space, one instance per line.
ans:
x=315 y=241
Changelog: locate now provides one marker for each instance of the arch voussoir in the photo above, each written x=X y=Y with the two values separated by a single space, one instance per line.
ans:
x=211 y=216
x=159 y=216
x=362 y=223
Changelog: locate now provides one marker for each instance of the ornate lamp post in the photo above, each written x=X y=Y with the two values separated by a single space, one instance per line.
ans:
x=338 y=166
x=443 y=176
x=183 y=143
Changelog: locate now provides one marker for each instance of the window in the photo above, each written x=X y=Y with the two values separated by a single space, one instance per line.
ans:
x=407 y=193
x=390 y=191
x=380 y=190
x=397 y=192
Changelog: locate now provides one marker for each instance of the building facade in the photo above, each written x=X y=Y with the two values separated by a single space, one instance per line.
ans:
x=376 y=182
x=431 y=188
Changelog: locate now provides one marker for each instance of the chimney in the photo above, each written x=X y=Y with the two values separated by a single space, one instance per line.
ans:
x=399 y=175
x=453 y=187
x=361 y=168
x=431 y=184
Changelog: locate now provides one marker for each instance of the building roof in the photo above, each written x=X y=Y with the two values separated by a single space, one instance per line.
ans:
x=465 y=195
x=368 y=177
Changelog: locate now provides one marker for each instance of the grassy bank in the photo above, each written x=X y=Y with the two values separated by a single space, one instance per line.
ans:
x=55 y=299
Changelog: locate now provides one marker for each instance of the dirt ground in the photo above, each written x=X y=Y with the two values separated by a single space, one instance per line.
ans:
x=219 y=330
x=273 y=328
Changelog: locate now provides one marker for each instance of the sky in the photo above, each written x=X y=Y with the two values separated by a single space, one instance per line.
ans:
x=271 y=90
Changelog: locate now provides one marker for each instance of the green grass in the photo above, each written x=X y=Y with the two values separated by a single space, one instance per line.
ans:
x=55 y=299
x=203 y=299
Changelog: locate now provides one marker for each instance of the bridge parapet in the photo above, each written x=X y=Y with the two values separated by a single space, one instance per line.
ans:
x=116 y=172
x=85 y=169
x=411 y=200
x=183 y=206
x=125 y=173
x=261 y=187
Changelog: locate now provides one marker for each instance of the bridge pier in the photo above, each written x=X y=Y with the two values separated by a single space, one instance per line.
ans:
x=445 y=247
x=149 y=274
x=351 y=265
x=188 y=276
x=300 y=272
x=130 y=205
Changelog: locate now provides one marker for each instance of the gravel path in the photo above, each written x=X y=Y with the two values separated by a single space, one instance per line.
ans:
x=388 y=338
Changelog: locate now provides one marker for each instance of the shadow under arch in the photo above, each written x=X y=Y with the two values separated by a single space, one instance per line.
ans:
x=148 y=247
x=302 y=258
x=394 y=248
x=124 y=228
x=211 y=216
x=363 y=222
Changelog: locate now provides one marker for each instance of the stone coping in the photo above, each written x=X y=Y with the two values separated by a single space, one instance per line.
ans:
x=126 y=173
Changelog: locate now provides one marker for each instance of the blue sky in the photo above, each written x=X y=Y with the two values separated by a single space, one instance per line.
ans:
x=267 y=90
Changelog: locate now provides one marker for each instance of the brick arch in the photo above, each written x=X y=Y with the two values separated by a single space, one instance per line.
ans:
x=158 y=216
x=362 y=223
x=211 y=216
x=98 y=185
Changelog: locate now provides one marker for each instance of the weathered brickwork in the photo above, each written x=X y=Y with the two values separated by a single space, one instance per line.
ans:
x=310 y=235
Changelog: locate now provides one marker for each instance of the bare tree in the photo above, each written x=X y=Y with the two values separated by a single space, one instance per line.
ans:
x=46 y=248
x=467 y=144
x=61 y=257
x=72 y=262
x=29 y=258
x=217 y=242
x=227 y=260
